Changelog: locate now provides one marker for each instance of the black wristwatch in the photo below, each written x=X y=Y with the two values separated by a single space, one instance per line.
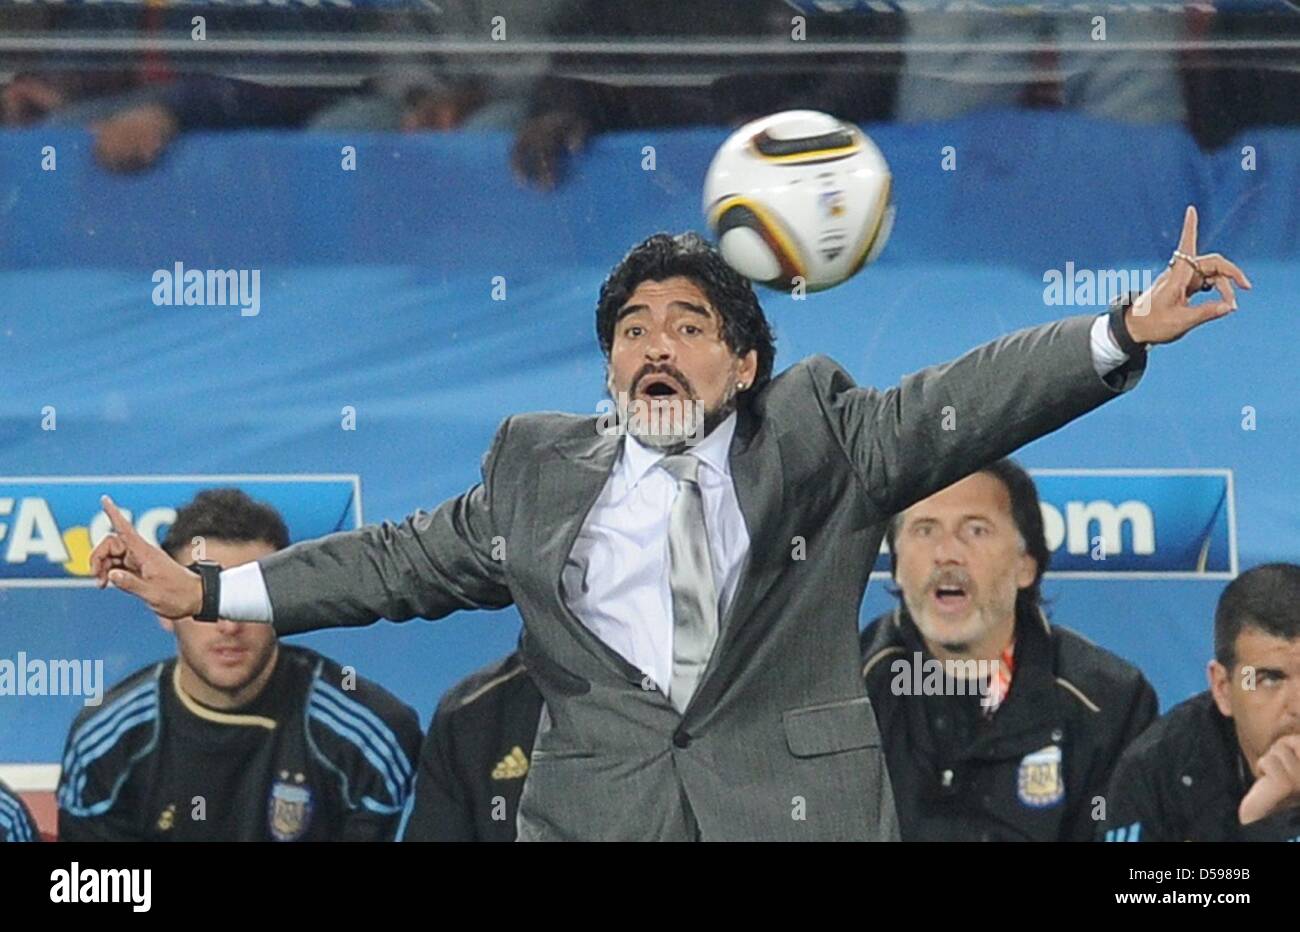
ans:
x=1119 y=326
x=210 y=574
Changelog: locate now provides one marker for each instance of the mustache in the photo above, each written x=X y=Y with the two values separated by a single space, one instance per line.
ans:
x=950 y=577
x=672 y=372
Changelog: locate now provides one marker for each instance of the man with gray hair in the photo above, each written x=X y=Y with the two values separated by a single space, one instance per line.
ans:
x=997 y=725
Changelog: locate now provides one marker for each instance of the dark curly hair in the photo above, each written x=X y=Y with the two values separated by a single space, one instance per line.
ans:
x=227 y=515
x=1027 y=515
x=663 y=256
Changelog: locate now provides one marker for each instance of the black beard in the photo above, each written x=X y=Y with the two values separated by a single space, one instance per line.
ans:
x=713 y=419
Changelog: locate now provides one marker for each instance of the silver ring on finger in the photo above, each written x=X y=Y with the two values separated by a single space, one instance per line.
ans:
x=1206 y=284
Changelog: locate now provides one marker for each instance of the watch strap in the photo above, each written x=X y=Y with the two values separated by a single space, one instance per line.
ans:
x=210 y=574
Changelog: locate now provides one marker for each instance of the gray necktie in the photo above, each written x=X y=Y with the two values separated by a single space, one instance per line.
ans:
x=690 y=577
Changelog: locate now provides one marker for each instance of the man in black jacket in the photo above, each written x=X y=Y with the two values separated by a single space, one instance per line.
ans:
x=1225 y=764
x=475 y=757
x=997 y=725
x=238 y=737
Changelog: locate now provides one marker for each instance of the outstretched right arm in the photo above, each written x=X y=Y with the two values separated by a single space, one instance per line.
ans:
x=430 y=565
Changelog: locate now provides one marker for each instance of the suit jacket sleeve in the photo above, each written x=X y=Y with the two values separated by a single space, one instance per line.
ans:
x=429 y=566
x=945 y=422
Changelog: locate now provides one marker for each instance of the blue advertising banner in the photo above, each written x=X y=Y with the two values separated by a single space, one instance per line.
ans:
x=1134 y=523
x=50 y=524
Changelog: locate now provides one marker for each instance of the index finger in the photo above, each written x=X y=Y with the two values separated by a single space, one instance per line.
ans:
x=1187 y=240
x=120 y=524
x=1261 y=799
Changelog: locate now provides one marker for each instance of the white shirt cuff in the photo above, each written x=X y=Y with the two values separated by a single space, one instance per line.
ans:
x=1106 y=354
x=243 y=594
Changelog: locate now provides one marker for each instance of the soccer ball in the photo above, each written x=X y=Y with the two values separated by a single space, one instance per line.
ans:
x=799 y=197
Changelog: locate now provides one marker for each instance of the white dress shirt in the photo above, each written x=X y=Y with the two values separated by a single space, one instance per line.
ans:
x=616 y=578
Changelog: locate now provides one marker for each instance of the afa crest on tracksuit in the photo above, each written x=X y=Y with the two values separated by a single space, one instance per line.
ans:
x=289 y=810
x=1040 y=782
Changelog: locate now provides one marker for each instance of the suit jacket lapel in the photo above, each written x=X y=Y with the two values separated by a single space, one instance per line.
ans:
x=756 y=473
x=568 y=487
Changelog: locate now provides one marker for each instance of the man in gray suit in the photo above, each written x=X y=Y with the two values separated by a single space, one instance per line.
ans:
x=690 y=602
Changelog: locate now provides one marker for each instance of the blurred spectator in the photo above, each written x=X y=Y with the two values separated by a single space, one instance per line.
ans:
x=1226 y=96
x=957 y=62
x=564 y=112
x=134 y=138
x=419 y=100
x=435 y=97
x=862 y=92
x=134 y=120
x=31 y=97
x=132 y=130
x=28 y=98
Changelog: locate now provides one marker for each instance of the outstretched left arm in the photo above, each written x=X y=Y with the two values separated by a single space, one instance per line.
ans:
x=943 y=423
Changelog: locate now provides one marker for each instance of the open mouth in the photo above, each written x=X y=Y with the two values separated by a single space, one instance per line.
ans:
x=659 y=387
x=951 y=598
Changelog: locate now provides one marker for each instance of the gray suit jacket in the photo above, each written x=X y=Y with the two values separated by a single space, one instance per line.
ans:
x=779 y=740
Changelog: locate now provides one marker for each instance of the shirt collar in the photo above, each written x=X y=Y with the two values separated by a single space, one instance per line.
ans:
x=714 y=451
